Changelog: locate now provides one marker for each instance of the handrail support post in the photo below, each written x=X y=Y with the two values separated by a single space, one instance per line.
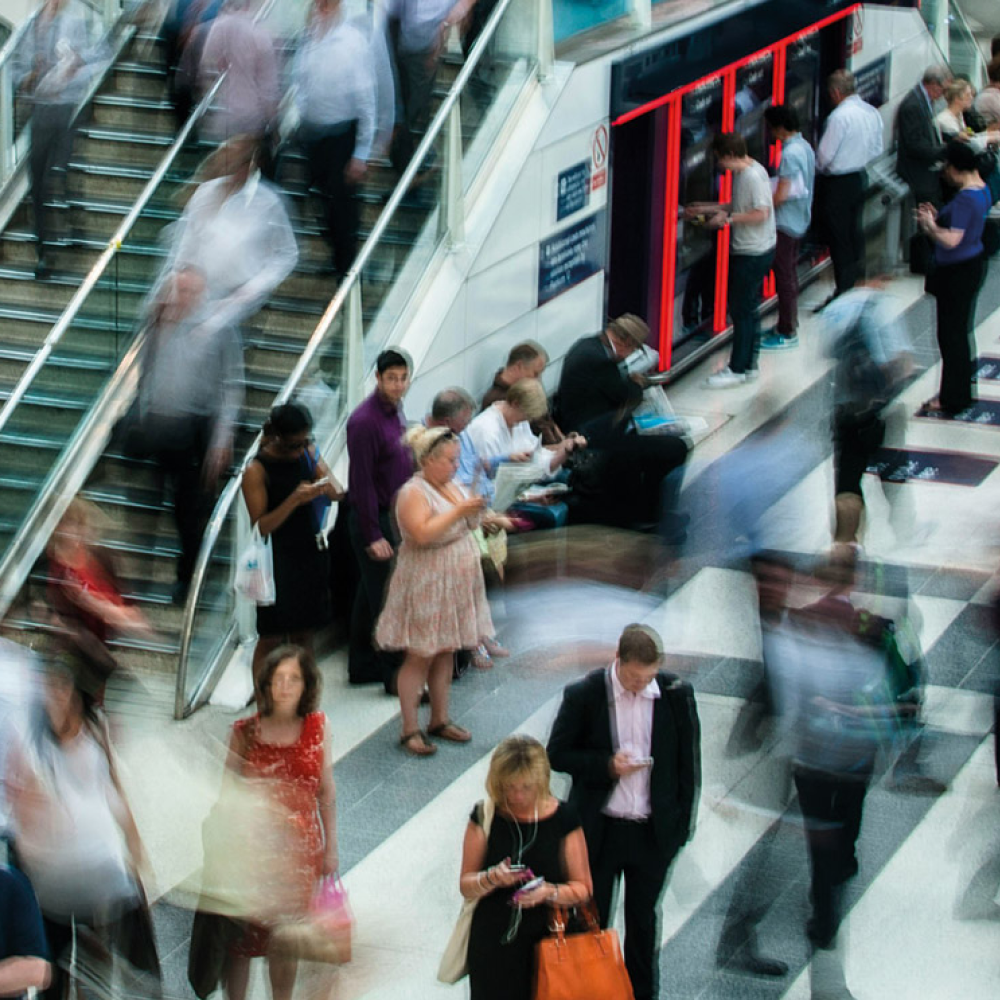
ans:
x=452 y=216
x=354 y=345
x=6 y=122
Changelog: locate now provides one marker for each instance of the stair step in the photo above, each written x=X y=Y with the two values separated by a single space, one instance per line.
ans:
x=156 y=116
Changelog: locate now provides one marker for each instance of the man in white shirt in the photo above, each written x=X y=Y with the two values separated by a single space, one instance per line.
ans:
x=753 y=238
x=420 y=29
x=628 y=735
x=335 y=75
x=502 y=433
x=851 y=140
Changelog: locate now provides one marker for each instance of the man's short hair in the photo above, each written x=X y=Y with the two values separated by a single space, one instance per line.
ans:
x=729 y=144
x=938 y=74
x=449 y=403
x=640 y=644
x=783 y=116
x=527 y=350
x=842 y=81
x=391 y=359
x=630 y=327
x=993 y=70
x=528 y=395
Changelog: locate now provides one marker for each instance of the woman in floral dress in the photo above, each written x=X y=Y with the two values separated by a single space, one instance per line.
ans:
x=287 y=743
x=437 y=599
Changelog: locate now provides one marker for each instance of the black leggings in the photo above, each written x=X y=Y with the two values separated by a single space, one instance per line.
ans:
x=956 y=290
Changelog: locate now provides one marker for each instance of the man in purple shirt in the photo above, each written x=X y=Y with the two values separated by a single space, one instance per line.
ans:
x=379 y=464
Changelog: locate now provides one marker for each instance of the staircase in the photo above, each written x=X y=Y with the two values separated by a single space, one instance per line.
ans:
x=126 y=134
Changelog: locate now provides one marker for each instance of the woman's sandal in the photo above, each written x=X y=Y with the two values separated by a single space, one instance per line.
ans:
x=495 y=649
x=416 y=745
x=481 y=659
x=449 y=731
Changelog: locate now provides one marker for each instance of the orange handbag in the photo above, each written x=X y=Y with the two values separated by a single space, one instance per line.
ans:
x=587 y=966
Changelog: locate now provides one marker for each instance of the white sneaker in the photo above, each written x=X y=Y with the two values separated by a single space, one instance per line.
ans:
x=725 y=378
x=751 y=374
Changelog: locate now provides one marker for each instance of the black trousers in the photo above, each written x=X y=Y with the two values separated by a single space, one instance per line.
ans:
x=855 y=442
x=637 y=487
x=365 y=664
x=630 y=851
x=831 y=805
x=182 y=466
x=416 y=73
x=746 y=284
x=956 y=290
x=842 y=198
x=51 y=145
x=328 y=150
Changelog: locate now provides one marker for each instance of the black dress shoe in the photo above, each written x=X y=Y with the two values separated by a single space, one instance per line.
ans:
x=824 y=303
x=757 y=965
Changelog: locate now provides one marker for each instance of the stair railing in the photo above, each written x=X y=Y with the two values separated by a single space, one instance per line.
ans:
x=70 y=470
x=14 y=142
x=344 y=344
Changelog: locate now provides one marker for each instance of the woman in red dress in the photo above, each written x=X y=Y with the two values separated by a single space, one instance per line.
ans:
x=288 y=744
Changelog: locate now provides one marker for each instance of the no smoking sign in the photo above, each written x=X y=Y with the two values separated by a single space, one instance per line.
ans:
x=599 y=158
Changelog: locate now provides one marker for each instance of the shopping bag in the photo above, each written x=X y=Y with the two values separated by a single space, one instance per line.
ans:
x=255 y=571
x=455 y=960
x=324 y=934
x=587 y=965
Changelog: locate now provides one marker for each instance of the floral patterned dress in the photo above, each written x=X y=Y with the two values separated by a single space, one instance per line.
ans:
x=296 y=771
x=437 y=598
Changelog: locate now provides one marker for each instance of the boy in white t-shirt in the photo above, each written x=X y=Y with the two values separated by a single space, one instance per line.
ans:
x=751 y=251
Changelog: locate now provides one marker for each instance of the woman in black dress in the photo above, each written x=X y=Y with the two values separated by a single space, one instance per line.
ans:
x=280 y=486
x=529 y=827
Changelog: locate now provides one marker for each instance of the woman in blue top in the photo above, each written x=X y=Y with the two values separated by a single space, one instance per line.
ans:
x=959 y=268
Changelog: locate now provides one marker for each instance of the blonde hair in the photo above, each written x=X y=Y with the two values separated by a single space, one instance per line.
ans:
x=957 y=89
x=528 y=395
x=518 y=757
x=423 y=440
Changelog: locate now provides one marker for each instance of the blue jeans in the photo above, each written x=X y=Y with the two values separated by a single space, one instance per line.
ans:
x=746 y=277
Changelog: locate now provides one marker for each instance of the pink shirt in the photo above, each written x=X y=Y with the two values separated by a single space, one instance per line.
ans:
x=633 y=724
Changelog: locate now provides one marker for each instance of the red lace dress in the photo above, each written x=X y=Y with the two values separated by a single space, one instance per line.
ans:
x=296 y=770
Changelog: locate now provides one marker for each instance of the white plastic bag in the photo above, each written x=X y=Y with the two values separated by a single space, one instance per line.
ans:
x=255 y=571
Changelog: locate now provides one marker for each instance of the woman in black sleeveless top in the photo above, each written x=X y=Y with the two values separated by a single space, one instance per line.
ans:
x=528 y=827
x=280 y=486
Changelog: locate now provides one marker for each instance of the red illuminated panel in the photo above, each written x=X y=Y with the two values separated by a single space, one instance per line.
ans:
x=671 y=198
x=777 y=51
x=659 y=102
x=725 y=195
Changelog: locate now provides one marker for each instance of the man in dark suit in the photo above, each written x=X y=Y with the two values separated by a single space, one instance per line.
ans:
x=596 y=398
x=919 y=147
x=629 y=736
x=920 y=152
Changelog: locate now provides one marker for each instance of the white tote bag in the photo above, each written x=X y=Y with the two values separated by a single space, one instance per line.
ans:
x=255 y=571
x=455 y=960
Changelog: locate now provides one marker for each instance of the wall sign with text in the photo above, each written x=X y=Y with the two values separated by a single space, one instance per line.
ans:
x=571 y=256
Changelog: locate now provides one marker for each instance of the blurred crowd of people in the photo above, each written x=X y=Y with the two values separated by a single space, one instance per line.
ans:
x=424 y=523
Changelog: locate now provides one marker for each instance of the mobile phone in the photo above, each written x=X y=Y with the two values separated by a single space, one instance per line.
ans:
x=322 y=482
x=526 y=888
x=643 y=761
x=518 y=868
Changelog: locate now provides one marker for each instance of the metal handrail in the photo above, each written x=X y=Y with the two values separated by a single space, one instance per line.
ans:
x=114 y=245
x=346 y=288
x=955 y=11
x=14 y=561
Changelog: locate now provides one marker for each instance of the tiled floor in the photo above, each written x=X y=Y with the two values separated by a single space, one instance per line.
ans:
x=927 y=865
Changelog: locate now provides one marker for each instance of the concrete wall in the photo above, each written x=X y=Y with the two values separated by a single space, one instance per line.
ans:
x=497 y=304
